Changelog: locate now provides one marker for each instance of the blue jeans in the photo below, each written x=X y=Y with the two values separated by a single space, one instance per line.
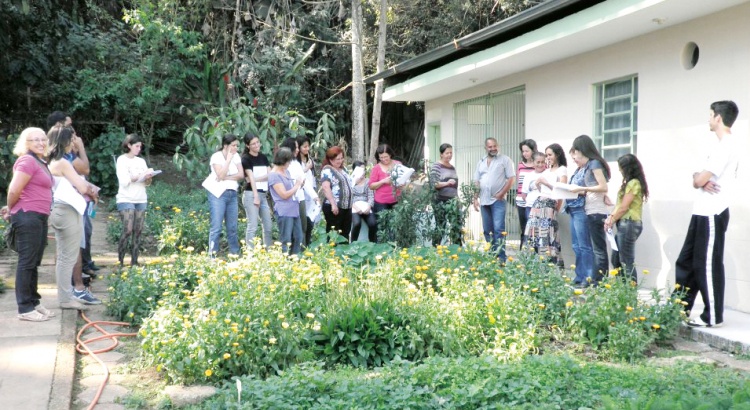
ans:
x=628 y=232
x=579 y=233
x=224 y=209
x=493 y=225
x=252 y=212
x=290 y=231
x=31 y=236
x=599 y=244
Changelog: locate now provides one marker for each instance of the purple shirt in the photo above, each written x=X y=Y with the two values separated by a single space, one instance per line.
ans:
x=283 y=207
x=36 y=196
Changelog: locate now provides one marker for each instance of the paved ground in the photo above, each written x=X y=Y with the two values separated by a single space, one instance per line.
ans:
x=39 y=366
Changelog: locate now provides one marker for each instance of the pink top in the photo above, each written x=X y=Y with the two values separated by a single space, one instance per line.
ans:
x=36 y=196
x=384 y=194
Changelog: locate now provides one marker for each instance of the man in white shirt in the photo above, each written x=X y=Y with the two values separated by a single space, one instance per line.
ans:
x=700 y=266
x=494 y=176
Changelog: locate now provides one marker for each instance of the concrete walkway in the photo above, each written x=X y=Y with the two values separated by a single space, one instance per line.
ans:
x=39 y=366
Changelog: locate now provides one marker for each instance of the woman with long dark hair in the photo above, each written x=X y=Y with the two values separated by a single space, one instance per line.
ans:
x=226 y=172
x=29 y=201
x=525 y=166
x=66 y=218
x=297 y=171
x=628 y=214
x=132 y=177
x=308 y=166
x=591 y=177
x=255 y=200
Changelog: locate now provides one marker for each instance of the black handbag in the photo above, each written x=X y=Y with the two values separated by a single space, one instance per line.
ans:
x=10 y=237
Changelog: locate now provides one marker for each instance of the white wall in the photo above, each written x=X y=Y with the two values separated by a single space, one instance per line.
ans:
x=672 y=128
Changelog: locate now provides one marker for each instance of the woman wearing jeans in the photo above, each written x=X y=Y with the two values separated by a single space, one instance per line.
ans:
x=226 y=171
x=29 y=201
x=594 y=186
x=255 y=200
x=627 y=215
x=283 y=189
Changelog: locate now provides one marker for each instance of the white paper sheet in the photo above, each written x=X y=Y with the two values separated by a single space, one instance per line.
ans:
x=259 y=172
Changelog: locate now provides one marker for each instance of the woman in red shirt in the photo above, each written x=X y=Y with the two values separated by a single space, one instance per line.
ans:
x=381 y=181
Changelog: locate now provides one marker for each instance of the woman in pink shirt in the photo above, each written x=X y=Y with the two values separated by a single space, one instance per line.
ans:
x=381 y=181
x=29 y=203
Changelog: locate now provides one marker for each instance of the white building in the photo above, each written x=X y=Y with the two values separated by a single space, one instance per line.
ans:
x=637 y=75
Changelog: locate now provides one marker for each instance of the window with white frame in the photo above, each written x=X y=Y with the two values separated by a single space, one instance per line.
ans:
x=616 y=117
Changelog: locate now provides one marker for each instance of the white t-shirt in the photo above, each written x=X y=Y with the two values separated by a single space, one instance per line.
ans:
x=218 y=159
x=722 y=162
x=296 y=171
x=128 y=191
x=529 y=187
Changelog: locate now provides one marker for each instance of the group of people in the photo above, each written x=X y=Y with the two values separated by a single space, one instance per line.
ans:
x=540 y=177
x=347 y=199
x=700 y=265
x=49 y=188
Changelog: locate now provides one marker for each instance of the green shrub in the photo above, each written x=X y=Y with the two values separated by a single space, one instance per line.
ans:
x=536 y=382
x=102 y=154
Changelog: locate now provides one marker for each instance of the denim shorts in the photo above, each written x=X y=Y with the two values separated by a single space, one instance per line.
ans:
x=124 y=206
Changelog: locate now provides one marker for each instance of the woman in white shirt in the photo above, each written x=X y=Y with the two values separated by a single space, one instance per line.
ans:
x=222 y=184
x=132 y=177
x=66 y=218
x=297 y=171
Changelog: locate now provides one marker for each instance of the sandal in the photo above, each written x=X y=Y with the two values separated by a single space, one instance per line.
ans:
x=33 y=316
x=43 y=310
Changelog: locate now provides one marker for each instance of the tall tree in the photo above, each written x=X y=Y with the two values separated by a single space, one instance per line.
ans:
x=358 y=85
x=378 y=98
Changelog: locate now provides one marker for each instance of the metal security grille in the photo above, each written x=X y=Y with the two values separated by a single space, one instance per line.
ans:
x=501 y=116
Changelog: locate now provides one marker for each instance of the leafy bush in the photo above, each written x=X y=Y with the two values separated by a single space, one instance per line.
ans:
x=102 y=154
x=536 y=382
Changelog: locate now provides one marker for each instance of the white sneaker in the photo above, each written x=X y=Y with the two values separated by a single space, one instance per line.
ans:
x=698 y=322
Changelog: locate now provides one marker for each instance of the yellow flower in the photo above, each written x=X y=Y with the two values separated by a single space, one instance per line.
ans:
x=646 y=272
x=677 y=286
x=578 y=291
x=503 y=233
x=569 y=303
x=608 y=286
x=655 y=326
x=227 y=356
x=572 y=266
x=642 y=318
x=272 y=341
x=542 y=306
x=281 y=316
x=208 y=373
x=285 y=325
x=629 y=308
x=310 y=316
x=235 y=344
x=614 y=272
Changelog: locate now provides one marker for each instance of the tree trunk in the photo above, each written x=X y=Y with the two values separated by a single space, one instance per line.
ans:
x=358 y=86
x=378 y=100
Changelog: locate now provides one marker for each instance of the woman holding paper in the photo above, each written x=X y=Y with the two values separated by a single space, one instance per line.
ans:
x=628 y=213
x=444 y=179
x=222 y=184
x=542 y=228
x=593 y=184
x=255 y=199
x=283 y=188
x=133 y=175
x=337 y=189
x=381 y=180
x=363 y=199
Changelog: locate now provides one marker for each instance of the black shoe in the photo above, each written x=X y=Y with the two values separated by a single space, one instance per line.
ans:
x=94 y=267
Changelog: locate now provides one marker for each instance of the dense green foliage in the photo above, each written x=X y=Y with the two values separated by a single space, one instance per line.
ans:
x=536 y=382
